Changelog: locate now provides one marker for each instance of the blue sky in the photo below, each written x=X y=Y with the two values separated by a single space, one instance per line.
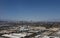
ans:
x=36 y=10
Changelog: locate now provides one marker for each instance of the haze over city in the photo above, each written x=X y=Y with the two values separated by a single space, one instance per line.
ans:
x=29 y=18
